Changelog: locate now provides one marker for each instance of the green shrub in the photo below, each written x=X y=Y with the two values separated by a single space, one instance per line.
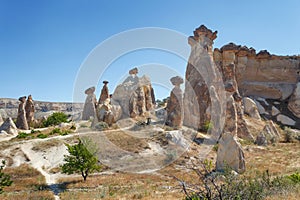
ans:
x=55 y=130
x=4 y=178
x=207 y=126
x=42 y=136
x=22 y=135
x=294 y=177
x=55 y=119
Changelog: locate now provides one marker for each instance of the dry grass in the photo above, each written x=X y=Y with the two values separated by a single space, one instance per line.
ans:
x=121 y=186
x=28 y=183
x=279 y=159
x=44 y=145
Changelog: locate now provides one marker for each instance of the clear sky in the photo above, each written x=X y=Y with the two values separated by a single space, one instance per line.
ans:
x=43 y=43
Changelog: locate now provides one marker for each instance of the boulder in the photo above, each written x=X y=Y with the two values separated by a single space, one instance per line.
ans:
x=89 y=109
x=275 y=111
x=268 y=135
x=9 y=127
x=285 y=120
x=250 y=108
x=230 y=154
x=294 y=102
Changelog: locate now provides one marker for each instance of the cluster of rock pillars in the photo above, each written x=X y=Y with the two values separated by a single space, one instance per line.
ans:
x=221 y=86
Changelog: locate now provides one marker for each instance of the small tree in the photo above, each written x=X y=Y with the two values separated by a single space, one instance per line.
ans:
x=4 y=178
x=82 y=158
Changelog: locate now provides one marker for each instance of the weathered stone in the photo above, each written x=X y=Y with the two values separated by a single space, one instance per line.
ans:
x=175 y=104
x=268 y=135
x=135 y=95
x=29 y=108
x=199 y=74
x=9 y=127
x=104 y=112
x=285 y=120
x=89 y=109
x=260 y=108
x=230 y=154
x=294 y=102
x=275 y=111
x=21 y=119
x=1 y=119
x=250 y=108
x=104 y=93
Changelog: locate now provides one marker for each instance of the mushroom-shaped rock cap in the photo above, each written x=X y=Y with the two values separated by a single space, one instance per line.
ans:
x=22 y=98
x=203 y=30
x=177 y=80
x=29 y=96
x=105 y=82
x=133 y=71
x=90 y=90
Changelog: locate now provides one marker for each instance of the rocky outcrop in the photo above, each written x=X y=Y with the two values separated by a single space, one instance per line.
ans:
x=104 y=112
x=230 y=153
x=175 y=104
x=200 y=75
x=29 y=108
x=104 y=93
x=21 y=119
x=268 y=135
x=250 y=108
x=294 y=102
x=264 y=76
x=1 y=119
x=135 y=95
x=89 y=109
x=9 y=127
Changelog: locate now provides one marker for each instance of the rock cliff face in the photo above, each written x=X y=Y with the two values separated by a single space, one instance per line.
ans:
x=270 y=80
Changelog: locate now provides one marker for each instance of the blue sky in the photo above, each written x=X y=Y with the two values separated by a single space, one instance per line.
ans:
x=43 y=43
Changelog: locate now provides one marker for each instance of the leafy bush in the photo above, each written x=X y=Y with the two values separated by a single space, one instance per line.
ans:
x=295 y=177
x=42 y=136
x=55 y=119
x=22 y=135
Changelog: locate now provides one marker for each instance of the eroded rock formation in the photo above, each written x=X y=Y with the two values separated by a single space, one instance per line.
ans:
x=135 y=95
x=89 y=109
x=270 y=80
x=21 y=119
x=230 y=152
x=104 y=93
x=200 y=74
x=29 y=108
x=9 y=127
x=175 y=104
